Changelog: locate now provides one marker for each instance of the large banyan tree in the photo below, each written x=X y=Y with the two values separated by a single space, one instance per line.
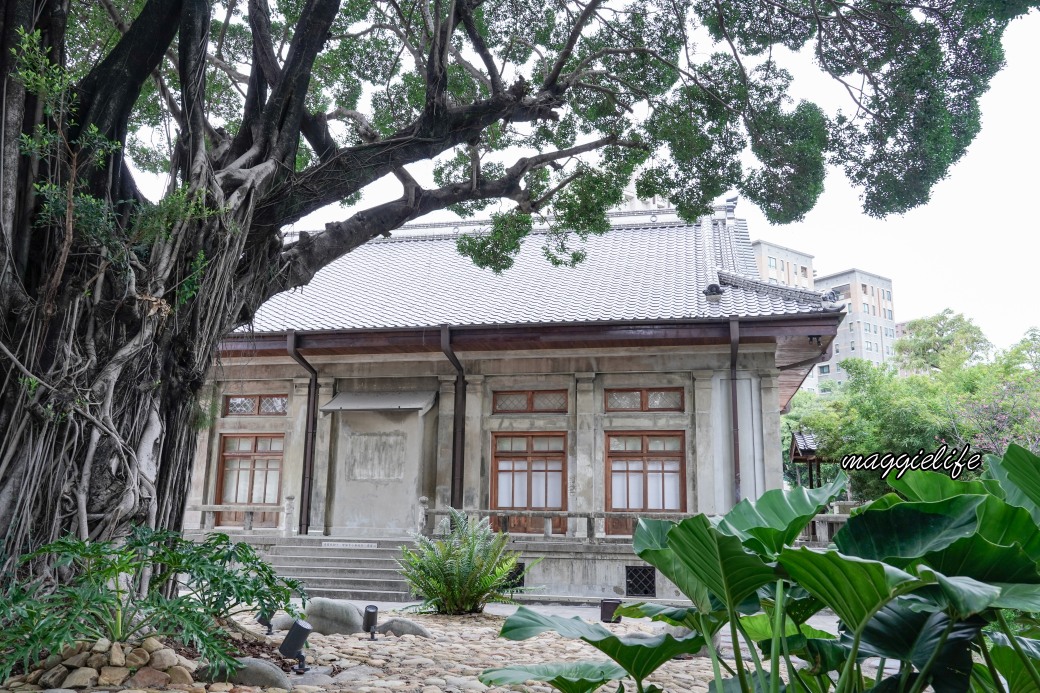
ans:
x=260 y=112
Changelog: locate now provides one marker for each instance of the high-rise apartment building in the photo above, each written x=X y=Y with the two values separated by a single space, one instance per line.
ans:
x=869 y=329
x=782 y=265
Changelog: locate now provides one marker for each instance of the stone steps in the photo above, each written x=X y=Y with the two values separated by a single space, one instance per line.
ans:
x=355 y=569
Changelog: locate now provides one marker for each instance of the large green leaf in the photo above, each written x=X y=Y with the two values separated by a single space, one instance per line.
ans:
x=855 y=588
x=899 y=632
x=1023 y=470
x=1013 y=669
x=1018 y=596
x=961 y=597
x=639 y=655
x=978 y=558
x=687 y=617
x=902 y=533
x=1030 y=646
x=760 y=627
x=569 y=677
x=918 y=485
x=650 y=542
x=775 y=519
x=980 y=537
x=718 y=560
x=1015 y=483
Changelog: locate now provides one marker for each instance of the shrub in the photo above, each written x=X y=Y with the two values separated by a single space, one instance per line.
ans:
x=225 y=577
x=463 y=571
x=115 y=591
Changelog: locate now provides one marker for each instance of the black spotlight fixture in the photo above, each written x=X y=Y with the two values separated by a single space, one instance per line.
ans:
x=292 y=646
x=371 y=617
x=264 y=619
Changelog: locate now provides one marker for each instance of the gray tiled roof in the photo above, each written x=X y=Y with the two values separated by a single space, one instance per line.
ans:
x=805 y=441
x=655 y=272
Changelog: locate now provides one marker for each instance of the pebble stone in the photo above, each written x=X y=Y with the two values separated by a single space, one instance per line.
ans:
x=450 y=661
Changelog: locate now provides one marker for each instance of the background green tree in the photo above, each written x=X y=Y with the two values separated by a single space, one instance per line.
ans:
x=987 y=405
x=262 y=111
x=943 y=341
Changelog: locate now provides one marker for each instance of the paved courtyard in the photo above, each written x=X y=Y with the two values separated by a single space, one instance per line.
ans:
x=464 y=646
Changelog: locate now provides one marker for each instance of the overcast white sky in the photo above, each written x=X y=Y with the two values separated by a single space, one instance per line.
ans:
x=974 y=248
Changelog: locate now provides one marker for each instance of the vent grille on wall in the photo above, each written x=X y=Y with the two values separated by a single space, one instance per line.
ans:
x=640 y=581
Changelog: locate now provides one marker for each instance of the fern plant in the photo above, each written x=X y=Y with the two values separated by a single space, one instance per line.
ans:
x=465 y=569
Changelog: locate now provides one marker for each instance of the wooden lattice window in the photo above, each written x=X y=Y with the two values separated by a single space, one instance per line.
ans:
x=644 y=399
x=250 y=474
x=256 y=405
x=646 y=472
x=530 y=401
x=530 y=473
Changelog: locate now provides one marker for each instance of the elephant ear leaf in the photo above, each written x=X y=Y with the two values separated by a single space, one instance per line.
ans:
x=1018 y=473
x=639 y=655
x=928 y=487
x=1010 y=665
x=719 y=561
x=775 y=520
x=854 y=588
x=650 y=542
x=568 y=677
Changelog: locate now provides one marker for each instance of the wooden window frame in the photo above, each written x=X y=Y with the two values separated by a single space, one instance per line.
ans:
x=262 y=519
x=611 y=455
x=530 y=402
x=497 y=454
x=644 y=399
x=256 y=404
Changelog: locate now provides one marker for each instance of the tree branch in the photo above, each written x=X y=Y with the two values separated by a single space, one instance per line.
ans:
x=300 y=261
x=480 y=46
x=551 y=82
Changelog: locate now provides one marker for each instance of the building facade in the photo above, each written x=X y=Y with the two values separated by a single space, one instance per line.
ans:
x=560 y=401
x=869 y=330
x=779 y=264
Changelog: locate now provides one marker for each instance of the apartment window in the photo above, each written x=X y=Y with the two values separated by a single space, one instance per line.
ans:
x=781 y=265
x=824 y=370
x=852 y=345
x=866 y=307
x=837 y=347
x=772 y=263
x=645 y=472
x=851 y=328
x=805 y=272
x=645 y=399
x=864 y=287
x=873 y=310
x=876 y=348
x=875 y=329
x=866 y=346
x=871 y=291
x=250 y=474
x=526 y=401
x=529 y=472
x=888 y=295
x=256 y=405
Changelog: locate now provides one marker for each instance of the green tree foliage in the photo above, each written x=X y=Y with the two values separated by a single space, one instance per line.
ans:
x=943 y=341
x=986 y=405
x=259 y=112
x=878 y=411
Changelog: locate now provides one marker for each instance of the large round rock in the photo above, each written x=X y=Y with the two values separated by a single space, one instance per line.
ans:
x=332 y=616
x=251 y=672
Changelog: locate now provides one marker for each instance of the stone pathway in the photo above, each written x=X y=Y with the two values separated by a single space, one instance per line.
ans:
x=460 y=649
